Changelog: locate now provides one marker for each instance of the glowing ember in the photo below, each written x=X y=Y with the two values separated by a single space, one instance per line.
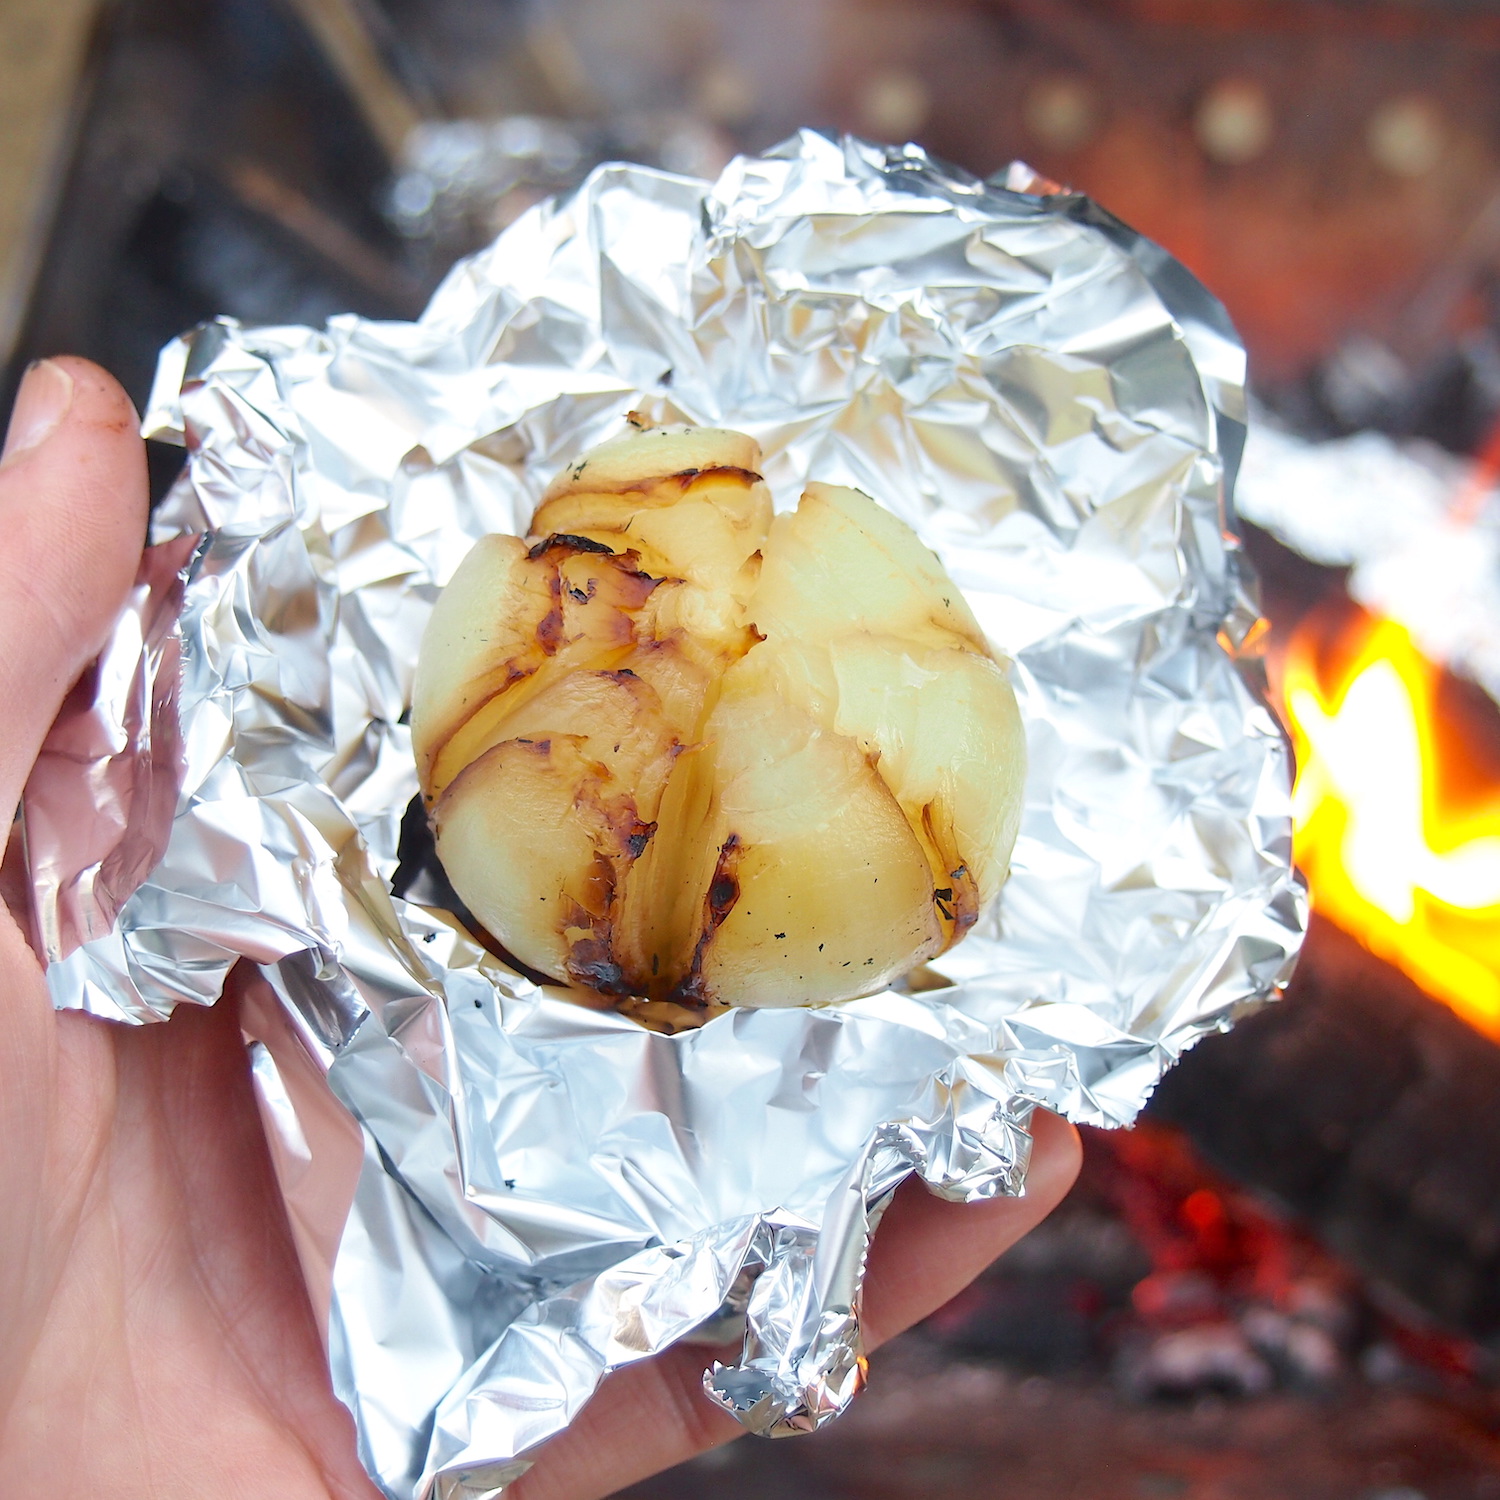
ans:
x=1389 y=851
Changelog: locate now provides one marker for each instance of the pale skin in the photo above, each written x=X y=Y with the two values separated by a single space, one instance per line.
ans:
x=156 y=1340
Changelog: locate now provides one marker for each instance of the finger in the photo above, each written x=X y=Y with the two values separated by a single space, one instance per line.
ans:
x=73 y=497
x=928 y=1250
x=653 y=1415
x=642 y=1420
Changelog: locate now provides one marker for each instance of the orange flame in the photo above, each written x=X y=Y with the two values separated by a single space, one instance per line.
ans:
x=1391 y=854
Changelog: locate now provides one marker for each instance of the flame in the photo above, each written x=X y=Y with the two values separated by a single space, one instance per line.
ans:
x=1391 y=854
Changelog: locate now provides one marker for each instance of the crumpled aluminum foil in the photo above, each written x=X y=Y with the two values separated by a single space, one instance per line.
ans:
x=541 y=1193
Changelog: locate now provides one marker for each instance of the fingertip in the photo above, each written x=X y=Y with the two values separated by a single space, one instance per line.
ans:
x=99 y=438
x=63 y=401
x=928 y=1249
x=98 y=396
x=1056 y=1157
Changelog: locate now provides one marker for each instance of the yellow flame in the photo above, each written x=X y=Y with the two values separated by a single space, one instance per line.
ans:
x=1415 y=879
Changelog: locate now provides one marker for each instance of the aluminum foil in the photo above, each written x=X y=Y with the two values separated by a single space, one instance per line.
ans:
x=537 y=1193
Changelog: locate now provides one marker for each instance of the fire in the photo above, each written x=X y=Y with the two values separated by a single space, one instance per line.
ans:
x=1391 y=852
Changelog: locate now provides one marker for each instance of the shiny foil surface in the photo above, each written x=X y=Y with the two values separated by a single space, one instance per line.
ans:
x=536 y=1193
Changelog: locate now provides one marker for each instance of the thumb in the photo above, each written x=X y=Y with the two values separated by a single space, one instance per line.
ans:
x=73 y=498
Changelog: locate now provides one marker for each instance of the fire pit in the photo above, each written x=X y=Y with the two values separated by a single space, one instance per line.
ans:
x=1369 y=1102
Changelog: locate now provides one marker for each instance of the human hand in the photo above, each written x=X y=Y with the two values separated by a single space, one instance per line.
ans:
x=156 y=1338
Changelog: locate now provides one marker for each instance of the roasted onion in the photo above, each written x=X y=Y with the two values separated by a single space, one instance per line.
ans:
x=678 y=750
